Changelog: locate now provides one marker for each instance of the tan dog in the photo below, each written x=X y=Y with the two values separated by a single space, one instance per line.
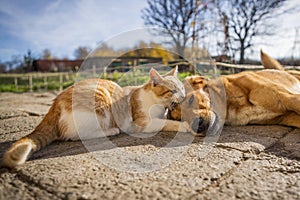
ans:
x=263 y=97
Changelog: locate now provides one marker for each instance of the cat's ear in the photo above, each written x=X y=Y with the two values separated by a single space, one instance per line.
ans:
x=155 y=77
x=173 y=72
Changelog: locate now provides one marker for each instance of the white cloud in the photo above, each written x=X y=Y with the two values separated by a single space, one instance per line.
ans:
x=280 y=44
x=64 y=25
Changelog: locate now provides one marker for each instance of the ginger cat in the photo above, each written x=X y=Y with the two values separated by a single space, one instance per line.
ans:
x=98 y=108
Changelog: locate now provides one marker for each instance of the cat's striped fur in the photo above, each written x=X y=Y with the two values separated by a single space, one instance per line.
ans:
x=97 y=108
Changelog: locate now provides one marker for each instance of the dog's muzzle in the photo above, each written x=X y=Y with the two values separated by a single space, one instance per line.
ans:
x=199 y=125
x=203 y=127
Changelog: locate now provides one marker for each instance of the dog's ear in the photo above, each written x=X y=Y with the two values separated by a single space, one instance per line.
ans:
x=195 y=82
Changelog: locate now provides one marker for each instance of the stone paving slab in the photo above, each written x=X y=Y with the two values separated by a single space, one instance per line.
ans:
x=288 y=146
x=262 y=177
x=13 y=127
x=247 y=162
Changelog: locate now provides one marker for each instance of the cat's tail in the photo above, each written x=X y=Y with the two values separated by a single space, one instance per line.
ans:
x=45 y=133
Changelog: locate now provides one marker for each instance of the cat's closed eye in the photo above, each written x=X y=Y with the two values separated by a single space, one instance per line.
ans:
x=168 y=92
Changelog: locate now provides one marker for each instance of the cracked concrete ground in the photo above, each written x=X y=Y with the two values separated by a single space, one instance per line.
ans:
x=249 y=162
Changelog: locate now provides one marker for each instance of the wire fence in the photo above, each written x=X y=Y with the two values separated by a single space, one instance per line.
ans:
x=123 y=75
x=35 y=81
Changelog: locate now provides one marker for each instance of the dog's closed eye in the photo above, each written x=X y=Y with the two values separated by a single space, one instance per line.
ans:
x=191 y=100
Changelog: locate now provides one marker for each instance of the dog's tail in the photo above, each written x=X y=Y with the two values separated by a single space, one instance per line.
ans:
x=269 y=62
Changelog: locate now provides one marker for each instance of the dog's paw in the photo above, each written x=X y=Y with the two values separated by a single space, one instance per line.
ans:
x=113 y=131
x=184 y=127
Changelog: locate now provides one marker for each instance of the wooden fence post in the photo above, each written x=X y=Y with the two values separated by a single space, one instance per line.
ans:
x=105 y=72
x=134 y=75
x=67 y=77
x=213 y=64
x=16 y=83
x=60 y=81
x=133 y=71
x=94 y=71
x=45 y=82
x=30 y=82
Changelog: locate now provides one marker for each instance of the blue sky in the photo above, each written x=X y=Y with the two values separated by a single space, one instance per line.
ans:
x=62 y=26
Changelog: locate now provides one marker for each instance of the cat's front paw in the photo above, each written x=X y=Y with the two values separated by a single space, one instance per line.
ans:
x=184 y=127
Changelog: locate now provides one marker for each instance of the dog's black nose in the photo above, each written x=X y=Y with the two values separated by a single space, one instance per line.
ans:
x=199 y=125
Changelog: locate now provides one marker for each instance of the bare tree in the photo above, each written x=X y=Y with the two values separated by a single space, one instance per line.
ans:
x=243 y=20
x=17 y=64
x=46 y=54
x=175 y=19
x=2 y=67
x=28 y=60
x=82 y=52
x=105 y=50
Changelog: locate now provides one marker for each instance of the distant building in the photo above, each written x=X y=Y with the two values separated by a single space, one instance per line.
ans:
x=222 y=58
x=120 y=63
x=55 y=65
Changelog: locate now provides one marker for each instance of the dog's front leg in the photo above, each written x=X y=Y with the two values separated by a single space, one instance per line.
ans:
x=157 y=124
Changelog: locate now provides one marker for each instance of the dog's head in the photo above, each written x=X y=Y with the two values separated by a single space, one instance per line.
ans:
x=196 y=107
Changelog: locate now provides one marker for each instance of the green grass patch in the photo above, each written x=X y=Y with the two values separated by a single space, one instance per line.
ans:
x=45 y=82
